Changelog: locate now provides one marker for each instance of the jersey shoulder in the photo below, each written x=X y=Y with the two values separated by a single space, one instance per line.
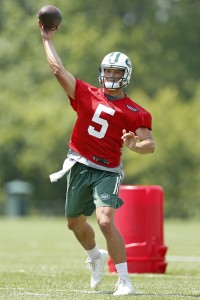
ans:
x=144 y=117
x=82 y=90
x=84 y=86
x=131 y=104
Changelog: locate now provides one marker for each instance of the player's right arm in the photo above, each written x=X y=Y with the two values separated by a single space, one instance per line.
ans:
x=65 y=78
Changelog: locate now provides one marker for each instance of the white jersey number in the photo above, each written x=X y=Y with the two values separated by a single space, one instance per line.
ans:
x=97 y=119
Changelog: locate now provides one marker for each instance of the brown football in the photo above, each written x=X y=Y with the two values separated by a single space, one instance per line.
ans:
x=49 y=16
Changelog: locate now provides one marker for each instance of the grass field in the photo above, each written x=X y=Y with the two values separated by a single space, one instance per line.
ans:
x=40 y=259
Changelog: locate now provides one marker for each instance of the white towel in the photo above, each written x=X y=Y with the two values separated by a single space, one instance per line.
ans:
x=68 y=163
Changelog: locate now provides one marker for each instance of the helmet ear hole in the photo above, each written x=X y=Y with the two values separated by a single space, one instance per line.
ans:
x=116 y=60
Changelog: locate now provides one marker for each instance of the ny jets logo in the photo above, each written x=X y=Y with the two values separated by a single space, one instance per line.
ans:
x=128 y=62
x=104 y=197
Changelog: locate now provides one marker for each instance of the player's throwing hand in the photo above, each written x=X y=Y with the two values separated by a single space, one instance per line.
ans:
x=46 y=33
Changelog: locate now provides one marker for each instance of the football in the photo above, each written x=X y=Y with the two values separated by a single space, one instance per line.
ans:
x=49 y=16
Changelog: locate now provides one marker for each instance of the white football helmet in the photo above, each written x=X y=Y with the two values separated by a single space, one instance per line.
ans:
x=116 y=60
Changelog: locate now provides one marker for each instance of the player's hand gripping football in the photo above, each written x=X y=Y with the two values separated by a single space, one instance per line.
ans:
x=46 y=34
x=129 y=139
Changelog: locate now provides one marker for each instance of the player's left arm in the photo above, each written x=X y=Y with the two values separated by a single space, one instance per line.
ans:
x=141 y=141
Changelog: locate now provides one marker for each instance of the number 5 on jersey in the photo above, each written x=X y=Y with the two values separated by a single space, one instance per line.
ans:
x=97 y=119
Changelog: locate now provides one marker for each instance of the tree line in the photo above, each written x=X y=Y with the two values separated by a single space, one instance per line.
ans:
x=161 y=39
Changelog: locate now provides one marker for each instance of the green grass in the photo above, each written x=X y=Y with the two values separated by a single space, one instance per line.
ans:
x=40 y=259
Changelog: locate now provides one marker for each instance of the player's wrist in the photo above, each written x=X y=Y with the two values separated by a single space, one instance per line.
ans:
x=133 y=147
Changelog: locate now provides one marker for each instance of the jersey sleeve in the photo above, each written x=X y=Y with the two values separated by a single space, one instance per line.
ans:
x=141 y=118
x=144 y=120
x=81 y=89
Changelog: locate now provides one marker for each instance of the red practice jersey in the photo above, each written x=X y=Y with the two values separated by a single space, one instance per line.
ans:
x=98 y=128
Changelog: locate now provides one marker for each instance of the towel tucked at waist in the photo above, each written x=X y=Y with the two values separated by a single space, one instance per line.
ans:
x=68 y=163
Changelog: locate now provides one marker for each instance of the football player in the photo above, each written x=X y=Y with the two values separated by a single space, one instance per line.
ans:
x=106 y=120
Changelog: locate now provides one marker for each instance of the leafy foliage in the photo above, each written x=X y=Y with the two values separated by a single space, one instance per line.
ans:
x=160 y=37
